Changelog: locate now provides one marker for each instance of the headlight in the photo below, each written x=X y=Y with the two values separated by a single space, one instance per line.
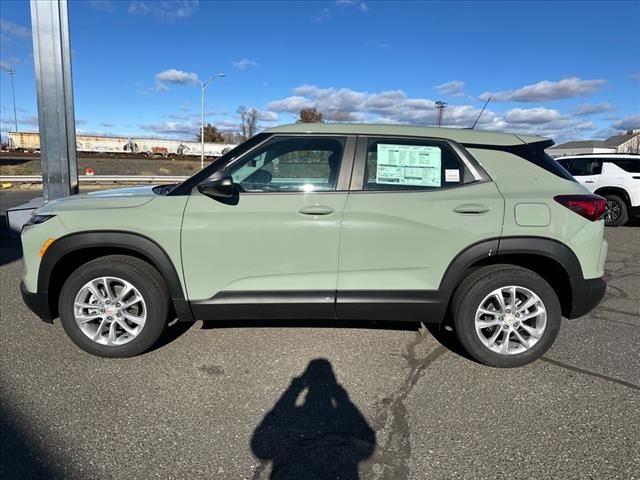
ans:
x=36 y=219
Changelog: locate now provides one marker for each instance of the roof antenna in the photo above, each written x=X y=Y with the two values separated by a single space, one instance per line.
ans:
x=481 y=112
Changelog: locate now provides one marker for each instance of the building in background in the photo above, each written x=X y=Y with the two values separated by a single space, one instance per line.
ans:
x=627 y=143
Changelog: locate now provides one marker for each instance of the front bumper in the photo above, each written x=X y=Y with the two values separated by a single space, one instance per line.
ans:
x=38 y=303
x=586 y=295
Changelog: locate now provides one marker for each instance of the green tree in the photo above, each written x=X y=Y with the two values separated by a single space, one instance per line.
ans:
x=211 y=134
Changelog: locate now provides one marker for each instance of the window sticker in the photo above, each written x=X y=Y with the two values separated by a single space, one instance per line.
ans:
x=452 y=175
x=414 y=165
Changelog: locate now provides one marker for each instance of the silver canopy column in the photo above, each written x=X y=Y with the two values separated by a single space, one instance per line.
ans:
x=52 y=58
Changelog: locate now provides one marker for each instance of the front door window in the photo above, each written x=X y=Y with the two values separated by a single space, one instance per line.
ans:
x=290 y=165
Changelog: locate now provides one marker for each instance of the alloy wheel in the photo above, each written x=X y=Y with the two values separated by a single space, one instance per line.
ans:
x=510 y=320
x=110 y=311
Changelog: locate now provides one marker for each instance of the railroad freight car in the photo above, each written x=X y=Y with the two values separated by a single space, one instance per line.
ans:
x=30 y=142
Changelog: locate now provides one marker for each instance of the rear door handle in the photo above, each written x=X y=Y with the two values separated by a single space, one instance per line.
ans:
x=316 y=210
x=471 y=209
x=589 y=181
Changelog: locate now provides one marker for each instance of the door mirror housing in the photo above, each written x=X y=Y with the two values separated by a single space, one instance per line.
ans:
x=219 y=186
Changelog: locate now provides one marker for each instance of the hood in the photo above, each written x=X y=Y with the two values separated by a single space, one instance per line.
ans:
x=116 y=198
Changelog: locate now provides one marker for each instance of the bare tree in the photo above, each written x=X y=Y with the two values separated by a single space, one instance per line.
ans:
x=633 y=145
x=232 y=137
x=248 y=122
x=310 y=115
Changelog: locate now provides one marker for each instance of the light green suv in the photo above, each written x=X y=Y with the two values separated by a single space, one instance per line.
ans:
x=331 y=221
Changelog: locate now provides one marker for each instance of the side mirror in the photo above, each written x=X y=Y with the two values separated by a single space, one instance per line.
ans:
x=220 y=186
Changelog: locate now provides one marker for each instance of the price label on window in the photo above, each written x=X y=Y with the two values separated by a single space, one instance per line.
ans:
x=414 y=165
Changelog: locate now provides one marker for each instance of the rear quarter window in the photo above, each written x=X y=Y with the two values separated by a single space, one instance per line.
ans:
x=631 y=165
x=533 y=153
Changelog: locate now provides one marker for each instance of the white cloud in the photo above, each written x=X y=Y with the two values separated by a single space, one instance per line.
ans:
x=5 y=66
x=101 y=5
x=454 y=88
x=107 y=124
x=245 y=63
x=592 y=108
x=395 y=107
x=166 y=11
x=322 y=16
x=531 y=116
x=362 y=6
x=177 y=129
x=634 y=76
x=290 y=104
x=546 y=90
x=31 y=120
x=267 y=116
x=14 y=30
x=176 y=77
x=629 y=122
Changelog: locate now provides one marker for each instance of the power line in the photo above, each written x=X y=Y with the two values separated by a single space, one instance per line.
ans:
x=440 y=106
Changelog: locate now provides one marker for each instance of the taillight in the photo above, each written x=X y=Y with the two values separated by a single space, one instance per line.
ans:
x=591 y=207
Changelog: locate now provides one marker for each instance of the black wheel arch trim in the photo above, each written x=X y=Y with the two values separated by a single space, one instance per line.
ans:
x=512 y=245
x=138 y=243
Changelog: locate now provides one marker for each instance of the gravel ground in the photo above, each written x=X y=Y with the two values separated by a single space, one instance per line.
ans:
x=30 y=165
x=307 y=400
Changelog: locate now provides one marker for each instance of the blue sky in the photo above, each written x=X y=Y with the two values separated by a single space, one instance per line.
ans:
x=566 y=70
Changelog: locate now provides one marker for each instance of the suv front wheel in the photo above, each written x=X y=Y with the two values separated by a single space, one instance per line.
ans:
x=506 y=316
x=114 y=306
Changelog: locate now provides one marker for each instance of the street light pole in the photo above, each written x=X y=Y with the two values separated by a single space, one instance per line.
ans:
x=12 y=72
x=204 y=86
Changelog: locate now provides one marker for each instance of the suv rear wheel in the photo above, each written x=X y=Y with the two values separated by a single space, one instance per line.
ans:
x=617 y=213
x=506 y=316
x=114 y=306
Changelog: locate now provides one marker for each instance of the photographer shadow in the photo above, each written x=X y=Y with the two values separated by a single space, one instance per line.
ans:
x=313 y=431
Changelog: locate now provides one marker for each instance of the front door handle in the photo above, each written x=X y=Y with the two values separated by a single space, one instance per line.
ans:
x=589 y=181
x=316 y=210
x=471 y=209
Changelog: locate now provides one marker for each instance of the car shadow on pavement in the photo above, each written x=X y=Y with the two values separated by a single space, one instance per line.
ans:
x=448 y=339
x=317 y=323
x=174 y=330
x=20 y=458
x=313 y=430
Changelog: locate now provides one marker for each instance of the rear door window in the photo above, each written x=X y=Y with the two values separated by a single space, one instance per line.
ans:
x=585 y=166
x=406 y=164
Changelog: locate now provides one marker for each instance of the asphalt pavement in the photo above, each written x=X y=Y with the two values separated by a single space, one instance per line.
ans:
x=309 y=400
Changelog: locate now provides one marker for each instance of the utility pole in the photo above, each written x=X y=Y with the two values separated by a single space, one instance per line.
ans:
x=12 y=72
x=440 y=106
x=204 y=86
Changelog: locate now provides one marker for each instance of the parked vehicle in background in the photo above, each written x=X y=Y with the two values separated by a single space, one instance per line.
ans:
x=614 y=176
x=334 y=221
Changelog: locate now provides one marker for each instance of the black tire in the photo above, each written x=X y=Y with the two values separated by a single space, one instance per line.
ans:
x=146 y=279
x=480 y=283
x=621 y=206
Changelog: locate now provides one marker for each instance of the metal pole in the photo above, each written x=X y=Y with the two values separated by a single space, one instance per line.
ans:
x=56 y=119
x=204 y=86
x=12 y=72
